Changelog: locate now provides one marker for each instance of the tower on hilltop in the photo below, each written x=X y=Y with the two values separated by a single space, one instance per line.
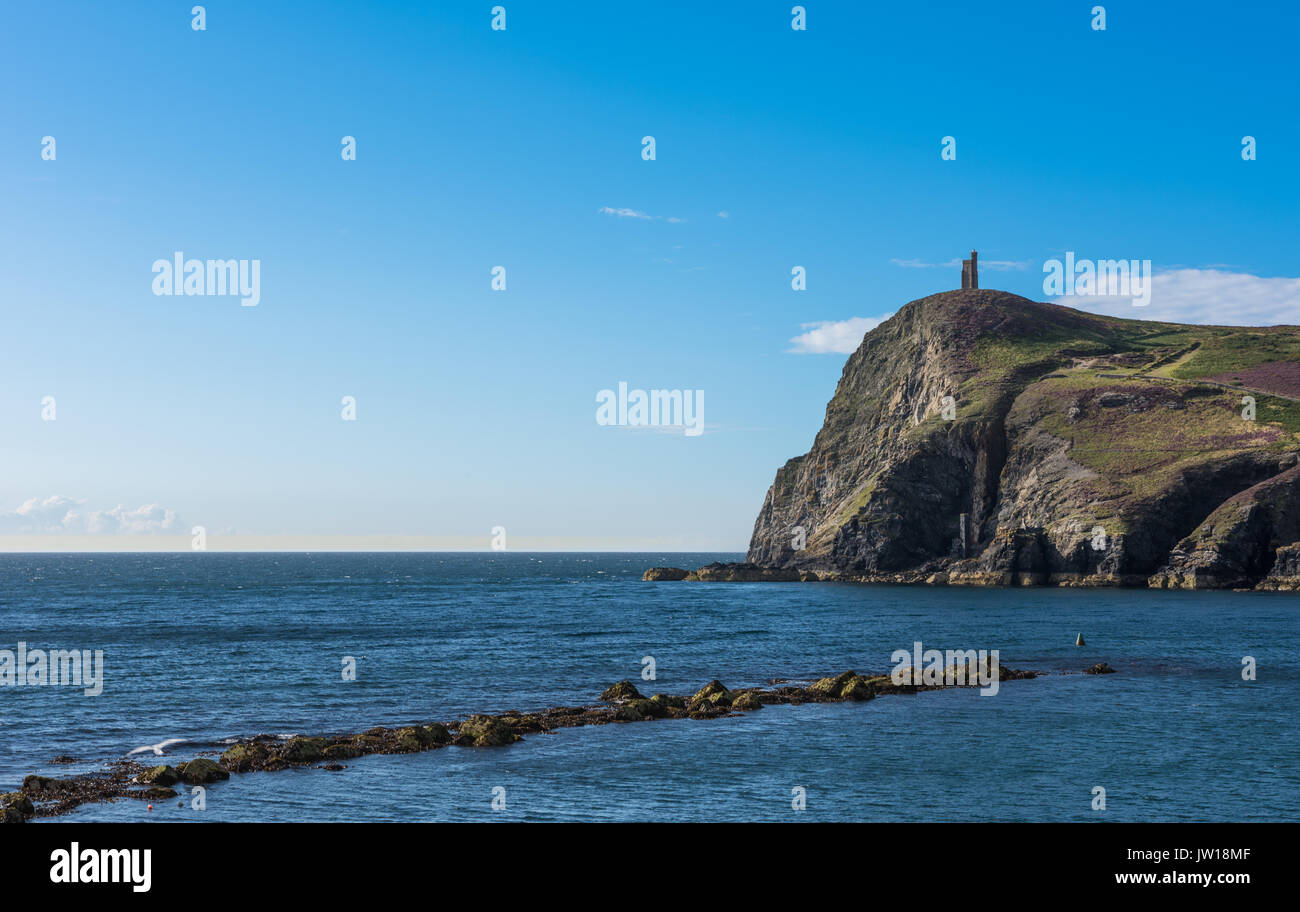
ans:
x=970 y=271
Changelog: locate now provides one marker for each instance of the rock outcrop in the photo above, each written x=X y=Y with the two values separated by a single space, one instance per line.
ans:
x=748 y=573
x=485 y=731
x=1236 y=546
x=665 y=573
x=201 y=770
x=161 y=775
x=1285 y=575
x=623 y=690
x=980 y=438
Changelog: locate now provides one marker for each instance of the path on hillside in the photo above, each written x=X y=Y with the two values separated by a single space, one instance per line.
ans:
x=1227 y=386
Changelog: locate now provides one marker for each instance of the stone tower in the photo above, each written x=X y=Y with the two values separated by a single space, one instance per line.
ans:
x=970 y=271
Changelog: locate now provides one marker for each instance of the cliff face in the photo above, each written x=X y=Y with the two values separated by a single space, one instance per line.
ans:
x=1075 y=449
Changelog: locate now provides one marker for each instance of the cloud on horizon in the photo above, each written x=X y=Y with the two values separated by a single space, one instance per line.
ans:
x=1204 y=296
x=839 y=337
x=58 y=514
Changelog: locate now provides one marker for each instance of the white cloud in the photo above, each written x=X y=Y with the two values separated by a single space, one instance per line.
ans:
x=50 y=514
x=841 y=337
x=143 y=519
x=724 y=214
x=57 y=514
x=623 y=213
x=638 y=214
x=1204 y=296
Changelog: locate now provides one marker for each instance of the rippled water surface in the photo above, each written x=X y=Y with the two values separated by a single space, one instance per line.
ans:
x=211 y=646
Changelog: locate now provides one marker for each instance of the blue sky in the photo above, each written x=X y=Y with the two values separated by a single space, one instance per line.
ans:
x=478 y=148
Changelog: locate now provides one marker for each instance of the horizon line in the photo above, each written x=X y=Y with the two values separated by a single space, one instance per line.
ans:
x=387 y=551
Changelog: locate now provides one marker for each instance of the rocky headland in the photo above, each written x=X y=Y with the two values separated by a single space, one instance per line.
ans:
x=980 y=438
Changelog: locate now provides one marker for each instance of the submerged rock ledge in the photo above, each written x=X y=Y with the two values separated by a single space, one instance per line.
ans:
x=1284 y=577
x=42 y=796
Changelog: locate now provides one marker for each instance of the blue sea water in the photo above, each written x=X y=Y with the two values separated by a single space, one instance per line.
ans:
x=211 y=646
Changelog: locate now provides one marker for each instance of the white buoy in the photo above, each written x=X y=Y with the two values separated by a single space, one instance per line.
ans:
x=1079 y=641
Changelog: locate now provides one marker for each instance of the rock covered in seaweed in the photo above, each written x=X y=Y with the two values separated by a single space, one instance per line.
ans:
x=623 y=690
x=749 y=573
x=714 y=693
x=161 y=775
x=240 y=758
x=746 y=701
x=668 y=703
x=638 y=710
x=858 y=688
x=665 y=573
x=153 y=793
x=303 y=750
x=831 y=687
x=485 y=731
x=201 y=770
x=44 y=785
x=15 y=807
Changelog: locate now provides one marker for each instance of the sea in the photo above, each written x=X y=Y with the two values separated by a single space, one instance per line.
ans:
x=208 y=647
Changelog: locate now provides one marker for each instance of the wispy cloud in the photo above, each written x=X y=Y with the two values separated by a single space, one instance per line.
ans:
x=840 y=337
x=1204 y=296
x=58 y=514
x=638 y=214
x=995 y=265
